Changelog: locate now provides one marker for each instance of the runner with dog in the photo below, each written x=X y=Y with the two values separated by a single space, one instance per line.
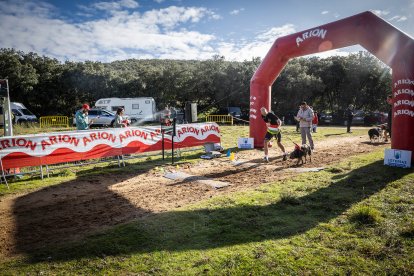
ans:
x=273 y=130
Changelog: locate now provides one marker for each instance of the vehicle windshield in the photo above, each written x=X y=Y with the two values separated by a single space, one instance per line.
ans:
x=26 y=111
x=16 y=112
x=236 y=110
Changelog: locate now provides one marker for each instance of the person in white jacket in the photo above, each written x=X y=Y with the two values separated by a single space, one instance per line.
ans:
x=305 y=116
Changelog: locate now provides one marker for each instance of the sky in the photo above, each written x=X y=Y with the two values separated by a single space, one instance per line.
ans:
x=80 y=30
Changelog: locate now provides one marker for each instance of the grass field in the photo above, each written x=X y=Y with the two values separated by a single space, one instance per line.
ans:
x=355 y=217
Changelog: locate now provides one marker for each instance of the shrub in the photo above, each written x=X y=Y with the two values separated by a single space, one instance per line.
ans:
x=365 y=215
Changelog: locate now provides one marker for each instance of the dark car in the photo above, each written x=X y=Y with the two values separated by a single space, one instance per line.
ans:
x=178 y=114
x=340 y=118
x=234 y=111
x=375 y=118
x=325 y=118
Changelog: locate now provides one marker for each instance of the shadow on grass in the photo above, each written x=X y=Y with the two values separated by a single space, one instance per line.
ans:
x=375 y=144
x=207 y=228
x=334 y=134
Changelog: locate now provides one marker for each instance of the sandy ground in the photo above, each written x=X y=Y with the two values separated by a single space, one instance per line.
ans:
x=74 y=209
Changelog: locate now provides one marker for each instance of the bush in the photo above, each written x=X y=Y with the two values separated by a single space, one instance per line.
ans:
x=289 y=198
x=365 y=215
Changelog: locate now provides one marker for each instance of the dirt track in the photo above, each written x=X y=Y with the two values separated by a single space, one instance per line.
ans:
x=76 y=208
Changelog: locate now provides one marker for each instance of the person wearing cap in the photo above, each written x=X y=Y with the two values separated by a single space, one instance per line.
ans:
x=81 y=117
x=305 y=117
x=273 y=130
x=349 y=114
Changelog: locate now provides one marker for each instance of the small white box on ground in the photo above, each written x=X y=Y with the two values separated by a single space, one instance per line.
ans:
x=397 y=158
x=246 y=143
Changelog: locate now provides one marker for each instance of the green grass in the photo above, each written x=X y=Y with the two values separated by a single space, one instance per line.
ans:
x=310 y=224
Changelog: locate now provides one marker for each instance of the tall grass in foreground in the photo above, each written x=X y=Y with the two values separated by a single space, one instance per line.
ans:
x=354 y=218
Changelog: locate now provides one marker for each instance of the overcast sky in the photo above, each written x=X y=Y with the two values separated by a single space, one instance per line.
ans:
x=80 y=30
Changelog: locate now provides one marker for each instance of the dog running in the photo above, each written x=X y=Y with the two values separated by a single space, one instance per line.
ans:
x=300 y=152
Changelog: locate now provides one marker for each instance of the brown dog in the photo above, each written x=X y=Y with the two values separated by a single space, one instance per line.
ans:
x=301 y=151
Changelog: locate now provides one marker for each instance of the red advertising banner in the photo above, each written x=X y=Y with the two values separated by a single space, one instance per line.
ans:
x=60 y=147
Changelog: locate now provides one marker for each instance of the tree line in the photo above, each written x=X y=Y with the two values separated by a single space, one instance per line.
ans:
x=50 y=87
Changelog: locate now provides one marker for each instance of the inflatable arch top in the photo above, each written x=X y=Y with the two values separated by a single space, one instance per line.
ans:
x=386 y=42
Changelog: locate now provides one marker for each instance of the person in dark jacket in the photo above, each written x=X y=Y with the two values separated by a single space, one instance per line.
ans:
x=349 y=114
x=273 y=130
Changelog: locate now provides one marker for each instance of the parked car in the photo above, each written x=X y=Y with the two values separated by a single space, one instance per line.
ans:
x=234 y=111
x=178 y=114
x=100 y=117
x=20 y=114
x=375 y=118
x=339 y=118
x=325 y=118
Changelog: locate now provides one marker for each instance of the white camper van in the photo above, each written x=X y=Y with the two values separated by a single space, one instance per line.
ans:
x=20 y=114
x=138 y=109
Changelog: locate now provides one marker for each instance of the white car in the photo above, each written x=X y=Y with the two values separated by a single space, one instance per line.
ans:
x=101 y=118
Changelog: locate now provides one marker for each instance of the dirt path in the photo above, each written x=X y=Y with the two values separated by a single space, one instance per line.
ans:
x=76 y=208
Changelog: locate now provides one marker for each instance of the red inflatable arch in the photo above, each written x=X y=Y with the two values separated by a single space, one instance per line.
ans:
x=387 y=43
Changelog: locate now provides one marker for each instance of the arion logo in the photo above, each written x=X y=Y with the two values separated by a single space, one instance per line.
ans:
x=321 y=33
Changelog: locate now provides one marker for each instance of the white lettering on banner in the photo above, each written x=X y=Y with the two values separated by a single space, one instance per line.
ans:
x=17 y=143
x=403 y=102
x=404 y=112
x=404 y=92
x=252 y=110
x=253 y=116
x=403 y=81
x=251 y=103
x=321 y=33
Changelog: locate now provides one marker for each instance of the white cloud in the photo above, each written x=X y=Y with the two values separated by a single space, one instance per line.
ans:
x=398 y=18
x=116 y=5
x=380 y=12
x=324 y=12
x=236 y=11
x=258 y=47
x=159 y=1
x=124 y=34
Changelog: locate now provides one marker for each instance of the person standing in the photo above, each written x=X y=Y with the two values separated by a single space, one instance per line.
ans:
x=315 y=121
x=349 y=114
x=305 y=117
x=389 y=119
x=119 y=120
x=81 y=118
x=273 y=130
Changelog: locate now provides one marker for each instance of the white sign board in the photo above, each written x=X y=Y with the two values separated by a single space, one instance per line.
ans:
x=246 y=143
x=397 y=158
